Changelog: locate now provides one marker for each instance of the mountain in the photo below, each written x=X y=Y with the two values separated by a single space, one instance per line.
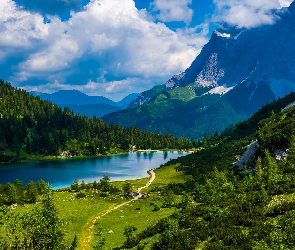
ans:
x=125 y=102
x=84 y=104
x=238 y=70
x=74 y=97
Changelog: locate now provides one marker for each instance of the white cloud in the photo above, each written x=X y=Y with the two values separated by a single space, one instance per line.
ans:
x=246 y=13
x=285 y=3
x=109 y=43
x=173 y=10
x=57 y=56
x=107 y=89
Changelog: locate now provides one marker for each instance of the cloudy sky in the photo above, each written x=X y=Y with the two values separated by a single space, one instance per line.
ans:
x=112 y=47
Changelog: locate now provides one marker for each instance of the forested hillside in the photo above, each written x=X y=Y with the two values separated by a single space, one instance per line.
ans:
x=30 y=126
x=223 y=208
x=176 y=112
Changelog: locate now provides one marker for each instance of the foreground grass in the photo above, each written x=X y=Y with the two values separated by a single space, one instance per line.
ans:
x=139 y=213
x=75 y=213
x=79 y=215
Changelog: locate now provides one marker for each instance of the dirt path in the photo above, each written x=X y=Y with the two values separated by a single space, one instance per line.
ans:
x=87 y=231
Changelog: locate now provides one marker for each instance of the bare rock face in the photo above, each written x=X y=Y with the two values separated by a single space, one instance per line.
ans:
x=250 y=152
x=281 y=155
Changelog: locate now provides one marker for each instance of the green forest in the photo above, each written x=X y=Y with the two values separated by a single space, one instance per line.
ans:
x=30 y=126
x=183 y=111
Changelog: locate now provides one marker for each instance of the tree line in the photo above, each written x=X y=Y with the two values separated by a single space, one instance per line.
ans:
x=29 y=126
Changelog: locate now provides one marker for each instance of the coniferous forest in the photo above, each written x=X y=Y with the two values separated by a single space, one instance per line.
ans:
x=30 y=126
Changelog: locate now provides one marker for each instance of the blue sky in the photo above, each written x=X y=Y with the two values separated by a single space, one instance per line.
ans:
x=112 y=48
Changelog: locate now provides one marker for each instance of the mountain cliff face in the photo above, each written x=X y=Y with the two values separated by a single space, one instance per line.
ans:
x=245 y=67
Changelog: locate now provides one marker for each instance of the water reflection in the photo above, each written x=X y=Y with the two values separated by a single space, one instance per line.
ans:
x=165 y=154
x=138 y=155
x=150 y=155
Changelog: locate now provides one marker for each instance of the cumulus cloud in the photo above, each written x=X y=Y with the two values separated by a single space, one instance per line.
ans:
x=173 y=10
x=247 y=13
x=109 y=43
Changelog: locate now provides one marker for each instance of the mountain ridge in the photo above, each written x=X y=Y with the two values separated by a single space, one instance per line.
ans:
x=76 y=97
x=84 y=104
x=245 y=68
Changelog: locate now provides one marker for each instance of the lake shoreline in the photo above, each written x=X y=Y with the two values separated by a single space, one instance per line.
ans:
x=53 y=158
x=62 y=171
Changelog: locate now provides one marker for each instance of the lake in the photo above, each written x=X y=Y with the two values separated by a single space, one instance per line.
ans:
x=62 y=172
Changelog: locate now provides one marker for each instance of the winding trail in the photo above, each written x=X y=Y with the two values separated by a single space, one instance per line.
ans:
x=87 y=231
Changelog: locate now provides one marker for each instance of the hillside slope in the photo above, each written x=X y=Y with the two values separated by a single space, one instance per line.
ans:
x=222 y=208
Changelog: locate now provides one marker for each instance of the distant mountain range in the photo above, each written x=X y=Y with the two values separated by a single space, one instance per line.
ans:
x=237 y=72
x=84 y=104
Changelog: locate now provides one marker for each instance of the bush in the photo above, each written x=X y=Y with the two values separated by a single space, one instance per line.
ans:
x=156 y=208
x=80 y=195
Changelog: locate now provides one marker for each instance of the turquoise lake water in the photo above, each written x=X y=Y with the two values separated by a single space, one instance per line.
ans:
x=62 y=173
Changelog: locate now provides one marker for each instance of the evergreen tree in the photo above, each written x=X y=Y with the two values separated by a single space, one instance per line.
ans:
x=11 y=193
x=32 y=192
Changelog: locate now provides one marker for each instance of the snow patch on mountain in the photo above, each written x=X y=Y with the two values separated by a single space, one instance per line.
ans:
x=281 y=87
x=250 y=97
x=221 y=90
x=224 y=35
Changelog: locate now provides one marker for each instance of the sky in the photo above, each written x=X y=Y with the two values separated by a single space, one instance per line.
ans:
x=112 y=47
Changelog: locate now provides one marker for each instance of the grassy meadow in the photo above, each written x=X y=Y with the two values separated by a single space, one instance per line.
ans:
x=86 y=216
x=139 y=213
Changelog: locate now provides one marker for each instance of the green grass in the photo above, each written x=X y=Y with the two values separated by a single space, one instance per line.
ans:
x=75 y=213
x=79 y=214
x=135 y=183
x=182 y=93
x=166 y=175
x=138 y=213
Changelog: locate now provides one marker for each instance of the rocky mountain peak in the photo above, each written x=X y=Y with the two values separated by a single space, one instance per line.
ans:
x=234 y=55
